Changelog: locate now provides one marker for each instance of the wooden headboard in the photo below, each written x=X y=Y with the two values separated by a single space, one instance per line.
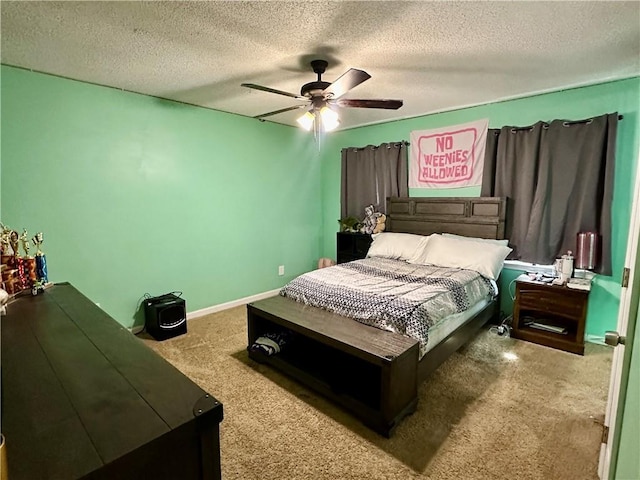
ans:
x=469 y=216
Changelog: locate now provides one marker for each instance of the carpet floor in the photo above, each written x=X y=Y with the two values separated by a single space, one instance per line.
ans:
x=533 y=414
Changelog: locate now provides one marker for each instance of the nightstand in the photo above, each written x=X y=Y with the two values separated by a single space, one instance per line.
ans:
x=551 y=315
x=352 y=246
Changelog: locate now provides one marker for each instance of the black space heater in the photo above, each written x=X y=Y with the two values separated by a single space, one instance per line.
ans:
x=165 y=316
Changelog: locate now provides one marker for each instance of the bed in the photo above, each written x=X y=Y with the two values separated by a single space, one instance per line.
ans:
x=374 y=371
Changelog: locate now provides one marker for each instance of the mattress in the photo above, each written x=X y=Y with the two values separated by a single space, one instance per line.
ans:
x=447 y=325
x=393 y=295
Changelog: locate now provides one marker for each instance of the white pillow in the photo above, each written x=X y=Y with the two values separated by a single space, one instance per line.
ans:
x=399 y=246
x=504 y=242
x=419 y=254
x=456 y=253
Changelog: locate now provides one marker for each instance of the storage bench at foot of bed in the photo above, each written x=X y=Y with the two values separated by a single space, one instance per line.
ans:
x=370 y=372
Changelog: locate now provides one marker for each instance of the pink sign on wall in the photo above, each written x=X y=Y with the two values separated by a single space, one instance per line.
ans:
x=448 y=157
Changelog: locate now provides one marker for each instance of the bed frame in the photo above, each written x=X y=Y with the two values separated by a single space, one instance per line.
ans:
x=371 y=372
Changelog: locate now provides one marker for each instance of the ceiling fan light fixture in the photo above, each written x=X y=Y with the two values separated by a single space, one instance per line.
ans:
x=318 y=94
x=330 y=119
x=306 y=121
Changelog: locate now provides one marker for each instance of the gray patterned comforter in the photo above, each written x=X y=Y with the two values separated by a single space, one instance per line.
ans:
x=392 y=294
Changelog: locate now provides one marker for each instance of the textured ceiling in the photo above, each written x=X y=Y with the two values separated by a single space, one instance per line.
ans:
x=434 y=55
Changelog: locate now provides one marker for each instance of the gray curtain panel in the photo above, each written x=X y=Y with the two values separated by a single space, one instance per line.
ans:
x=489 y=168
x=574 y=189
x=370 y=175
x=558 y=178
x=517 y=163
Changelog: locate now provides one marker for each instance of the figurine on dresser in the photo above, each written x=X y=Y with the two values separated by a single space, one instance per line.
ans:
x=11 y=281
x=41 y=259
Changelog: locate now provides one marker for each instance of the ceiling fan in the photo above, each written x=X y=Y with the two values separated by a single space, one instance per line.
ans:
x=322 y=97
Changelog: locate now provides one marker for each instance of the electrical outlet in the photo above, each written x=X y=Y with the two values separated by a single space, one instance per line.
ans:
x=281 y=270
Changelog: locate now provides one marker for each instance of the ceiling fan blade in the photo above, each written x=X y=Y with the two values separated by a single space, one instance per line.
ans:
x=282 y=110
x=351 y=78
x=353 y=103
x=272 y=90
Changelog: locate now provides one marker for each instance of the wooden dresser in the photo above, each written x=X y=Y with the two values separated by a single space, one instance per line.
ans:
x=84 y=398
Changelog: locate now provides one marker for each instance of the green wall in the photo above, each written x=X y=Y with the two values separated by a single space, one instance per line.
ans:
x=139 y=195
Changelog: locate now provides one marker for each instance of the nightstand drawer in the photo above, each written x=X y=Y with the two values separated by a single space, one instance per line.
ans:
x=549 y=302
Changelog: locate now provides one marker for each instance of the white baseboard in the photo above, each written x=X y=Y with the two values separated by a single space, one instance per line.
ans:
x=136 y=330
x=232 y=304
x=594 y=339
x=218 y=308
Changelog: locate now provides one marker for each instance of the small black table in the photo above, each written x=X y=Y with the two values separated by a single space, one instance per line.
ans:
x=352 y=246
x=84 y=398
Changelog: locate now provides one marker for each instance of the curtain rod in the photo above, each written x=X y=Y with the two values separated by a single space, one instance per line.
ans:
x=375 y=147
x=496 y=132
x=545 y=125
